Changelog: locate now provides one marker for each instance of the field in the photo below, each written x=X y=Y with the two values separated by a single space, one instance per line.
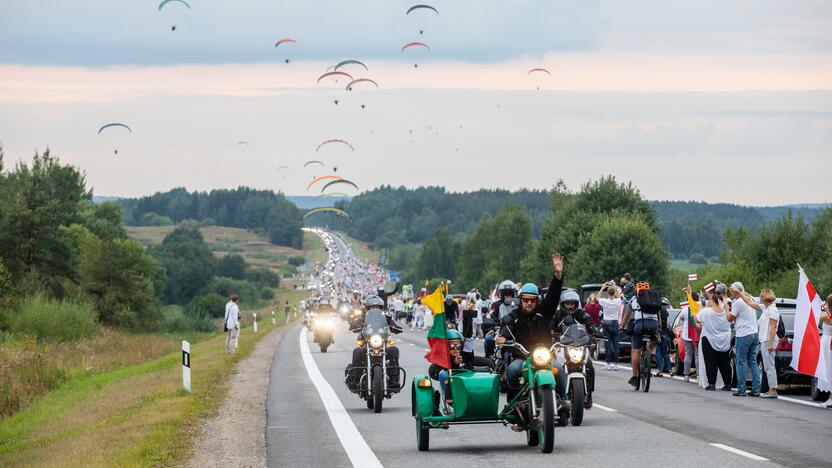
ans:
x=118 y=400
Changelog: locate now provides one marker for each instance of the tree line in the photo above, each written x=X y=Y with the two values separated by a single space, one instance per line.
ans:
x=261 y=211
x=67 y=264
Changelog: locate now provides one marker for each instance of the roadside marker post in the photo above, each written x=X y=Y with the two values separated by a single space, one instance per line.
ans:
x=254 y=321
x=186 y=366
x=273 y=320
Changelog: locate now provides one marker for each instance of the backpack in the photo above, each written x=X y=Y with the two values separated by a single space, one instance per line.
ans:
x=781 y=329
x=649 y=301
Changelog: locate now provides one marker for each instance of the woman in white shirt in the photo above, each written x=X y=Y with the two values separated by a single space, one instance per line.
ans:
x=825 y=340
x=767 y=331
x=716 y=343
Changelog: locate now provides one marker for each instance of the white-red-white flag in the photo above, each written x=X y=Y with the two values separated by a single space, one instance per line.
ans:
x=709 y=287
x=693 y=277
x=807 y=357
x=684 y=304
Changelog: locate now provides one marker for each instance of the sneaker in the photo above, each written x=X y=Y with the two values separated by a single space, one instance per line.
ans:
x=608 y=367
x=726 y=388
x=710 y=388
x=739 y=393
x=768 y=395
x=615 y=367
x=686 y=379
x=753 y=394
x=633 y=381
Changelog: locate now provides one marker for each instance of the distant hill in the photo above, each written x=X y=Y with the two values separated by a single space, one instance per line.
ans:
x=105 y=198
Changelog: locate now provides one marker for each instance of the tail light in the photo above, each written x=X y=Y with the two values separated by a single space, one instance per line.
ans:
x=784 y=345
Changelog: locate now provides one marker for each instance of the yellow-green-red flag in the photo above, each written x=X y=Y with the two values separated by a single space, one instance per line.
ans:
x=693 y=309
x=439 y=353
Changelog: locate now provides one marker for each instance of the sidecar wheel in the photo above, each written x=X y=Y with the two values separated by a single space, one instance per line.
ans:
x=547 y=413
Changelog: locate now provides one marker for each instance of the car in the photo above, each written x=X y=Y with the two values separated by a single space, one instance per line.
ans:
x=587 y=290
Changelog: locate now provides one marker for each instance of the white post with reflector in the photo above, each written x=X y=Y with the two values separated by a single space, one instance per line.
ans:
x=273 y=319
x=254 y=321
x=186 y=366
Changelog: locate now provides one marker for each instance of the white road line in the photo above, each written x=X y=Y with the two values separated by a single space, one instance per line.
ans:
x=411 y=344
x=605 y=408
x=803 y=402
x=740 y=452
x=361 y=455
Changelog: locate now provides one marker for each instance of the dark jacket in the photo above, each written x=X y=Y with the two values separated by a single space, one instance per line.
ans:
x=451 y=311
x=578 y=314
x=535 y=328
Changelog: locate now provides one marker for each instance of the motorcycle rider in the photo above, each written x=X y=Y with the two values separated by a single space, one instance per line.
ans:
x=359 y=354
x=507 y=291
x=355 y=302
x=570 y=306
x=439 y=373
x=530 y=325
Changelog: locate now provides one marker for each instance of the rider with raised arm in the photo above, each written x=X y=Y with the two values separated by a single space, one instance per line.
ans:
x=530 y=325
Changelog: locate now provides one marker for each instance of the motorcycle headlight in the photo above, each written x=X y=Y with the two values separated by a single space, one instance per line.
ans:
x=356 y=312
x=575 y=355
x=376 y=341
x=325 y=323
x=541 y=357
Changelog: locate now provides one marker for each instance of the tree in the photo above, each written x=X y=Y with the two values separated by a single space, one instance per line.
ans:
x=437 y=257
x=188 y=264
x=119 y=276
x=38 y=204
x=232 y=266
x=620 y=243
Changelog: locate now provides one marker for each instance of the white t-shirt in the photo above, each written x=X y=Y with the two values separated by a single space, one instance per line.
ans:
x=745 y=322
x=764 y=323
x=715 y=328
x=610 y=308
x=232 y=315
x=683 y=317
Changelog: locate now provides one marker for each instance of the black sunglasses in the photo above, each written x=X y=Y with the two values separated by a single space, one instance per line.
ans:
x=456 y=346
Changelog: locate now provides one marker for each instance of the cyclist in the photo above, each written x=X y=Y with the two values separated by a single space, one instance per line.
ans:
x=644 y=309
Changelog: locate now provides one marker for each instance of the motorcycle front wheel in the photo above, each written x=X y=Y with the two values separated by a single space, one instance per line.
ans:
x=578 y=400
x=378 y=390
x=547 y=413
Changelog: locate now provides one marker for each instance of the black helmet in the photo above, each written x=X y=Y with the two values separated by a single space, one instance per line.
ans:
x=374 y=302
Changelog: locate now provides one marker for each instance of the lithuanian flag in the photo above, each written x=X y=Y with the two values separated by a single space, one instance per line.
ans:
x=693 y=309
x=439 y=353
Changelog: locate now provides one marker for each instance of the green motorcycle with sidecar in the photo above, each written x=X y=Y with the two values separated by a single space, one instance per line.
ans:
x=476 y=397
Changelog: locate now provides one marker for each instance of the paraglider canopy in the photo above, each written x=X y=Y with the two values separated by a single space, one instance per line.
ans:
x=318 y=179
x=360 y=80
x=343 y=142
x=540 y=70
x=284 y=41
x=422 y=7
x=338 y=212
x=314 y=161
x=334 y=73
x=414 y=44
x=339 y=181
x=349 y=62
x=114 y=124
x=165 y=2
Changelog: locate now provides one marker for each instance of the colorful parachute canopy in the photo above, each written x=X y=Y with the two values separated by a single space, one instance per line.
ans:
x=282 y=167
x=285 y=40
x=327 y=210
x=318 y=179
x=360 y=80
x=349 y=62
x=165 y=2
x=539 y=70
x=114 y=124
x=242 y=143
x=334 y=73
x=333 y=194
x=413 y=44
x=343 y=142
x=422 y=7
x=339 y=181
x=314 y=161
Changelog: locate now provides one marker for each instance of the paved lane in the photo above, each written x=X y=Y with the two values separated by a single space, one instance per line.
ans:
x=675 y=422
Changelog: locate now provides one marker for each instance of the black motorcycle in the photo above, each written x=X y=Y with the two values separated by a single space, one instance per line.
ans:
x=372 y=382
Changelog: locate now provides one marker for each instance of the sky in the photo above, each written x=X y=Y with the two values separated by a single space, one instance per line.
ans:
x=720 y=101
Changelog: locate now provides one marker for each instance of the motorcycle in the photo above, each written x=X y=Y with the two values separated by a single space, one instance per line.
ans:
x=476 y=396
x=372 y=381
x=323 y=329
x=573 y=350
x=354 y=319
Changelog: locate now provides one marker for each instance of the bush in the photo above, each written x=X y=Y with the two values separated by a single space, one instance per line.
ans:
x=153 y=219
x=27 y=374
x=698 y=259
x=209 y=305
x=249 y=292
x=232 y=266
x=263 y=277
x=266 y=294
x=61 y=320
x=174 y=320
x=207 y=222
x=297 y=260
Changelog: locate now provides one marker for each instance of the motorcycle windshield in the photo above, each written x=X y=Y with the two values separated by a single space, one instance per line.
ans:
x=375 y=322
x=575 y=335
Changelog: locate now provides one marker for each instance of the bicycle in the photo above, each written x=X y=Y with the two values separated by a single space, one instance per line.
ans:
x=644 y=371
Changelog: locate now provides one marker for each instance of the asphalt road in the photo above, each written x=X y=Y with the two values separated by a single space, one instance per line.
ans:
x=675 y=423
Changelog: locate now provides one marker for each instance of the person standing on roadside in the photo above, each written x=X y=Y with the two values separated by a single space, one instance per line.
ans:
x=593 y=308
x=826 y=343
x=232 y=324
x=747 y=341
x=610 y=307
x=690 y=333
x=715 y=342
x=628 y=289
x=767 y=332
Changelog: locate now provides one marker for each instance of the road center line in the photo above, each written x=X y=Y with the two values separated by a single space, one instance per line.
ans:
x=740 y=452
x=360 y=454
x=605 y=408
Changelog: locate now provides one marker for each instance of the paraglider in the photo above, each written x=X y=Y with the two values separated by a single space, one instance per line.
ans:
x=415 y=44
x=166 y=2
x=343 y=142
x=318 y=179
x=541 y=70
x=339 y=181
x=314 y=161
x=334 y=73
x=338 y=212
x=334 y=194
x=239 y=143
x=349 y=62
x=114 y=124
x=360 y=80
x=282 y=167
x=285 y=40
x=421 y=7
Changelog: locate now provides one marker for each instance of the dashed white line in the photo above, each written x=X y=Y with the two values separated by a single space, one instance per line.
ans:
x=739 y=452
x=605 y=408
x=360 y=454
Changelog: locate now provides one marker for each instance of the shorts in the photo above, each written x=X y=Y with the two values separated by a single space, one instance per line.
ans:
x=644 y=327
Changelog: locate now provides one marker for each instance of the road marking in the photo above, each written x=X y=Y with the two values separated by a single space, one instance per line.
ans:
x=411 y=344
x=605 y=408
x=740 y=452
x=803 y=402
x=360 y=454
